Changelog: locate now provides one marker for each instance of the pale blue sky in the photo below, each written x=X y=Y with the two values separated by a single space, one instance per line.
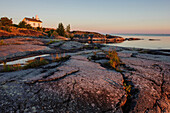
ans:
x=105 y=16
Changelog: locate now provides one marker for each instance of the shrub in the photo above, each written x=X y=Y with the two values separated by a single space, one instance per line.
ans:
x=43 y=29
x=36 y=63
x=7 y=28
x=38 y=29
x=28 y=26
x=114 y=59
x=9 y=68
x=95 y=47
x=54 y=34
x=2 y=42
x=22 y=24
x=50 y=32
x=6 y=21
x=61 y=59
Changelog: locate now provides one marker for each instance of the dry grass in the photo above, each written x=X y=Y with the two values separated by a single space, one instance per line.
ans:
x=20 y=32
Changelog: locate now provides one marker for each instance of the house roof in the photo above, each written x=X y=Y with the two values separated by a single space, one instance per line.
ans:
x=33 y=19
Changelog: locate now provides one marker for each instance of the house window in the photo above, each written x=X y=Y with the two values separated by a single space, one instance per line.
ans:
x=33 y=24
x=38 y=24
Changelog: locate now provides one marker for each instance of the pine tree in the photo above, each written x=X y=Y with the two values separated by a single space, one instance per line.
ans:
x=68 y=28
x=60 y=30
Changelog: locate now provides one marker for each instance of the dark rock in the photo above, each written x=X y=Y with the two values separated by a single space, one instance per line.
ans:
x=154 y=39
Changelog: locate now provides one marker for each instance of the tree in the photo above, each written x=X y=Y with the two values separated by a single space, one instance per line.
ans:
x=68 y=28
x=5 y=21
x=22 y=24
x=60 y=30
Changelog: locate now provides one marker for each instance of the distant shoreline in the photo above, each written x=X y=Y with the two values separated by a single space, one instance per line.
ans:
x=129 y=34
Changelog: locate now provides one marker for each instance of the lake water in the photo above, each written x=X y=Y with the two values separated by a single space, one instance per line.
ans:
x=162 y=42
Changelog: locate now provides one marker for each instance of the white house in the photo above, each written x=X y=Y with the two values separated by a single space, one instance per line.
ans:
x=34 y=22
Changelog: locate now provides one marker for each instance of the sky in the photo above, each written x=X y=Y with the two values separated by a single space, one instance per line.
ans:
x=104 y=16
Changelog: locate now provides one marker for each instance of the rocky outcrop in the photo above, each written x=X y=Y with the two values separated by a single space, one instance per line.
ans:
x=83 y=84
x=149 y=79
x=77 y=85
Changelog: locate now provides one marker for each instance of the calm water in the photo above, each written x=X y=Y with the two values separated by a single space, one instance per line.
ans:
x=162 y=43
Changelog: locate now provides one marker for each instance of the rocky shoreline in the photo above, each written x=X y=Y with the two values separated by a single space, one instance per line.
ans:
x=82 y=84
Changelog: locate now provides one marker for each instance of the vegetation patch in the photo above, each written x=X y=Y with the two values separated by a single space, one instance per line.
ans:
x=33 y=63
x=2 y=42
x=114 y=60
x=36 y=63
x=61 y=59
x=9 y=68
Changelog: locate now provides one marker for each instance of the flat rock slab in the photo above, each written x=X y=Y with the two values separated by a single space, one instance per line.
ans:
x=78 y=85
x=152 y=79
x=71 y=45
x=11 y=49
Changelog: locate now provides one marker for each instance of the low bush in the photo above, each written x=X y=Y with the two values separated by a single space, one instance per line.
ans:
x=9 y=68
x=2 y=42
x=36 y=63
x=61 y=59
x=114 y=59
x=6 y=28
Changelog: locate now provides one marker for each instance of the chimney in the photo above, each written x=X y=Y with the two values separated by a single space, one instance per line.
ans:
x=32 y=17
x=36 y=17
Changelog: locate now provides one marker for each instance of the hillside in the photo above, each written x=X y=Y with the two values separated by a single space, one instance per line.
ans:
x=14 y=31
